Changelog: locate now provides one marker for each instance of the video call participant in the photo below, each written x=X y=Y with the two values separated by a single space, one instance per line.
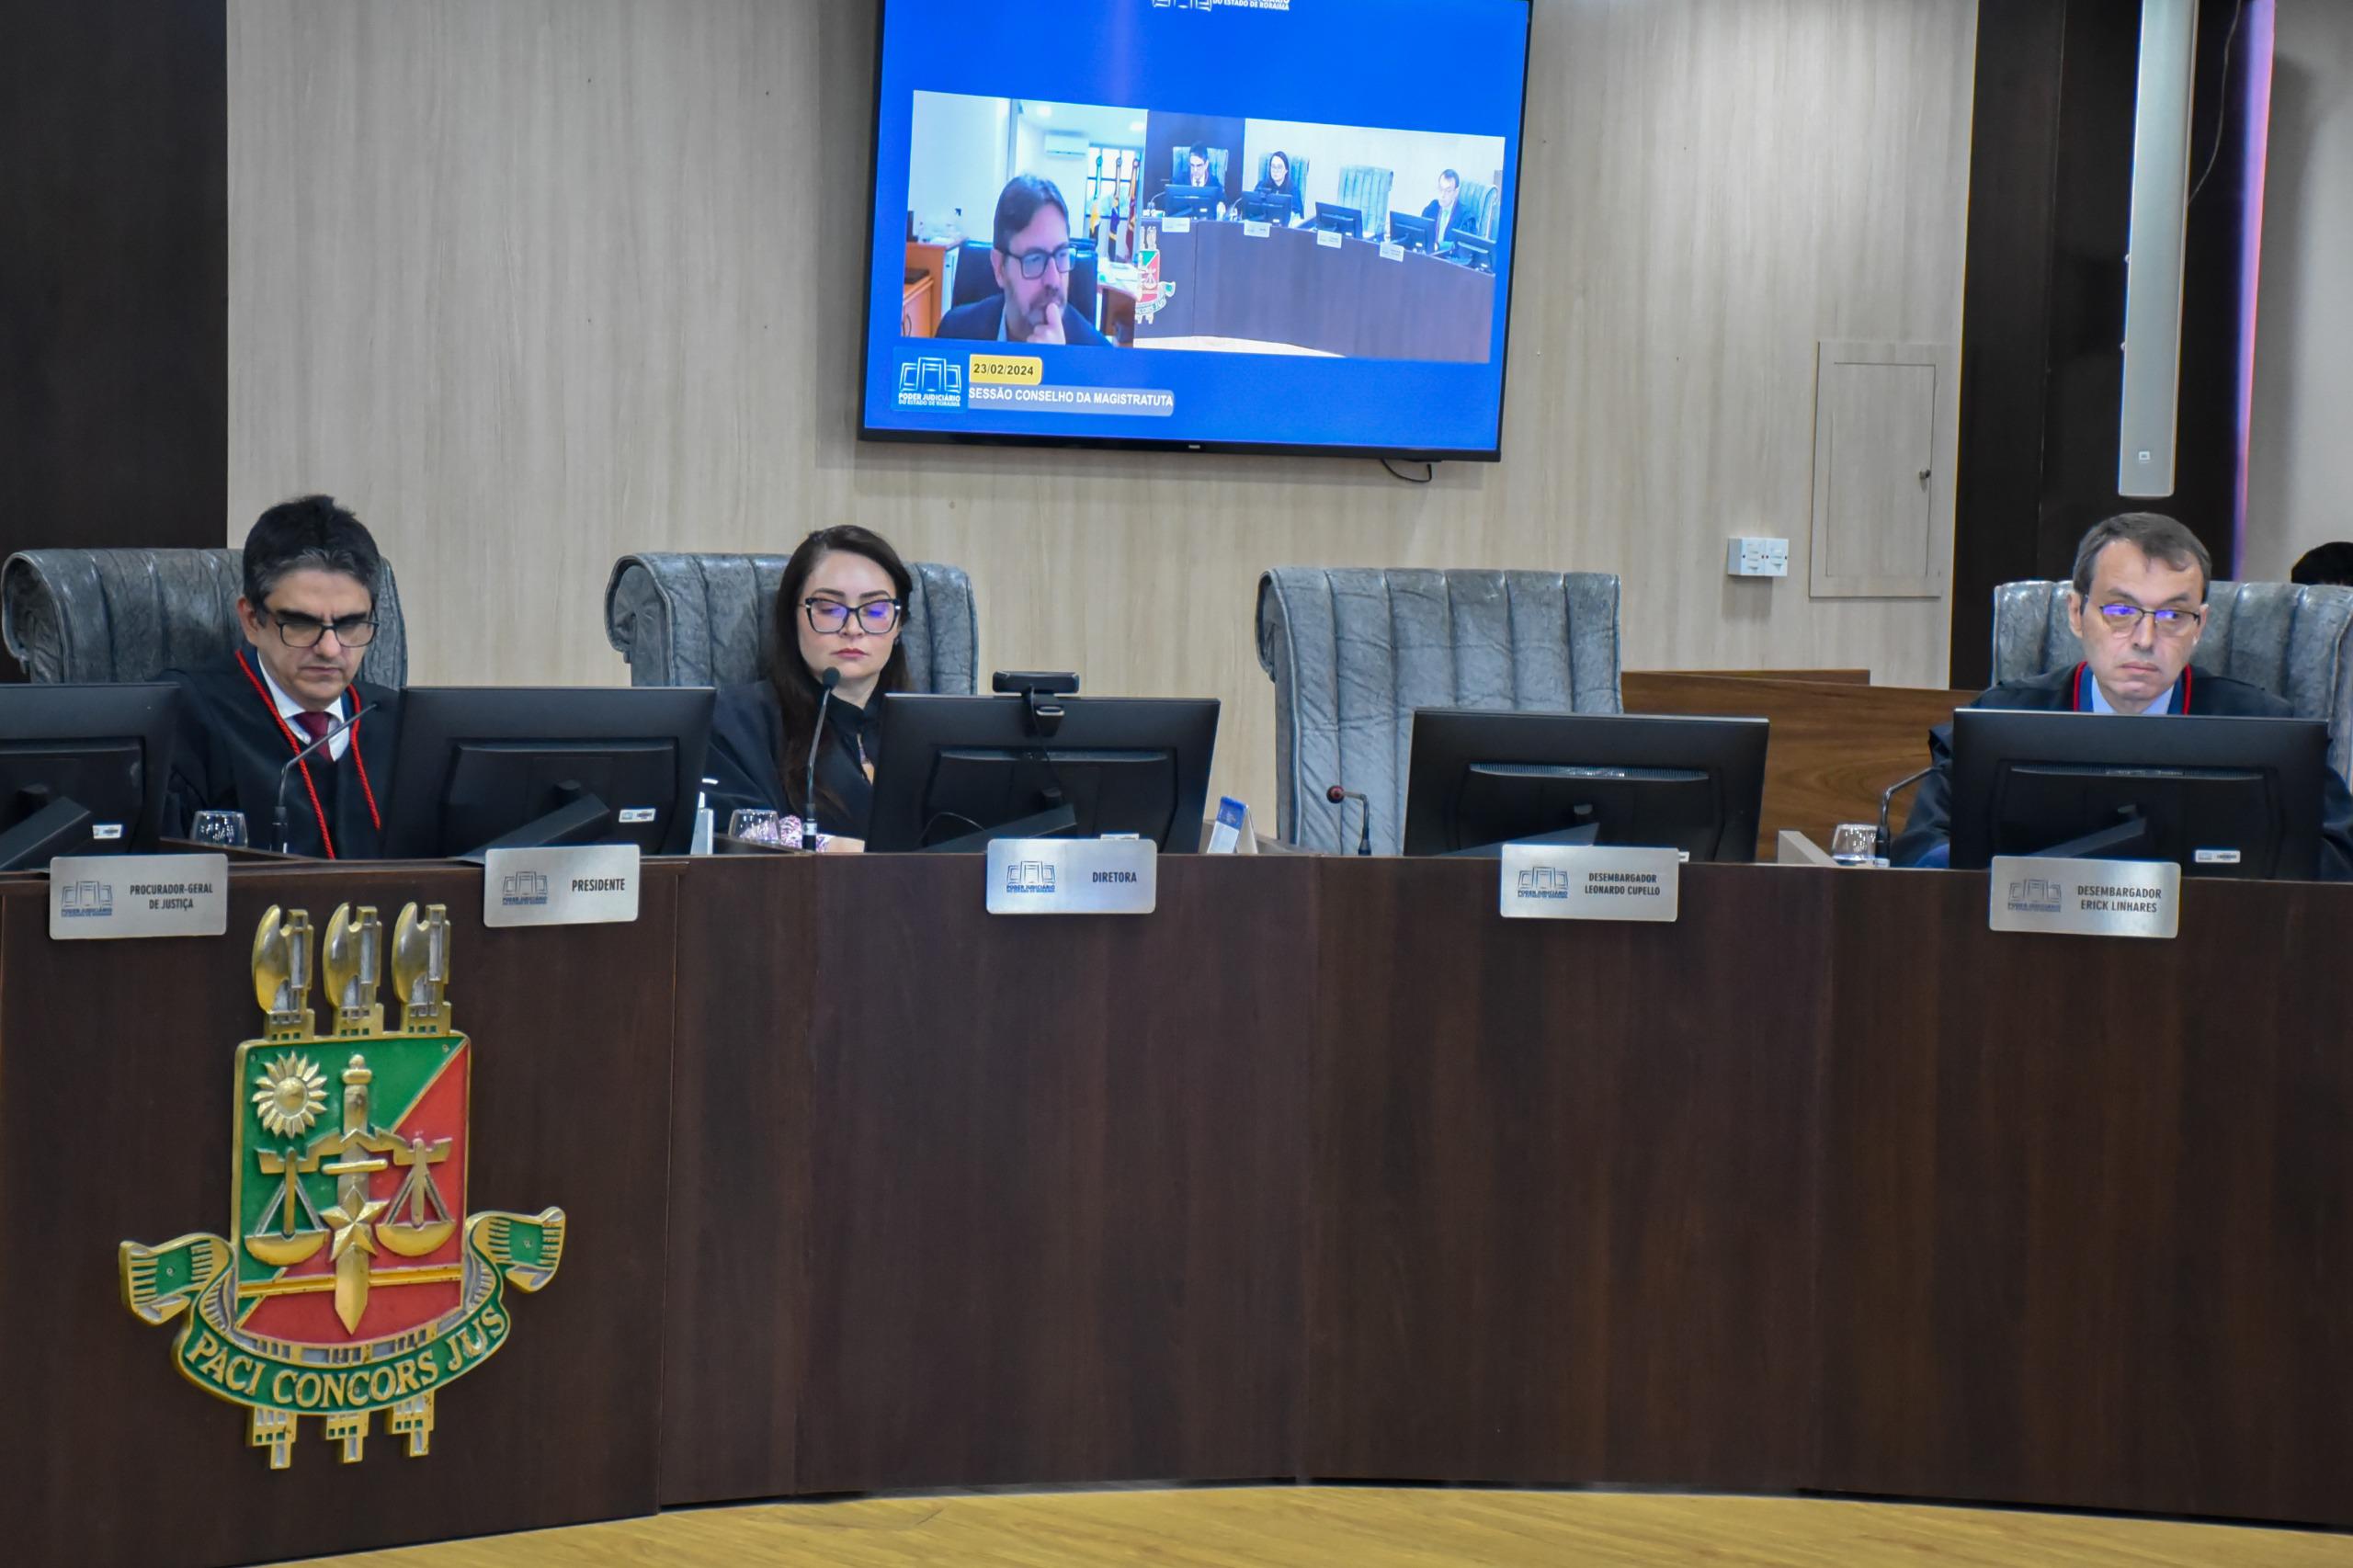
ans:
x=1197 y=168
x=2324 y=566
x=1448 y=212
x=840 y=607
x=308 y=615
x=1031 y=261
x=1277 y=185
x=2139 y=605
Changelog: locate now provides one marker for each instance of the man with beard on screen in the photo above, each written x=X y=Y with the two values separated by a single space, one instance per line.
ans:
x=1031 y=261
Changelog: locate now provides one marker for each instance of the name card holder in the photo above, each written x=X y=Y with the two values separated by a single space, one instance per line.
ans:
x=1073 y=876
x=1177 y=225
x=1392 y=251
x=1327 y=240
x=2086 y=898
x=1548 y=882
x=102 y=897
x=1253 y=229
x=594 y=884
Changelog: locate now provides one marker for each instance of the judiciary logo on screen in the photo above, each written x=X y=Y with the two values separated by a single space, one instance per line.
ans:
x=353 y=1278
x=931 y=381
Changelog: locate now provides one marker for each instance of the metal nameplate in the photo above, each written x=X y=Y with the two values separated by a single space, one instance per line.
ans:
x=596 y=884
x=1254 y=230
x=1328 y=240
x=1073 y=876
x=95 y=897
x=1175 y=225
x=1392 y=251
x=2086 y=898
x=1544 y=882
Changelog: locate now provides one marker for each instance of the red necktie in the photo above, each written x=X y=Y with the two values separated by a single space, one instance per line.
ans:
x=315 y=725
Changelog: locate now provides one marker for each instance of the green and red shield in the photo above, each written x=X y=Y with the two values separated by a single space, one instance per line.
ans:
x=350 y=1187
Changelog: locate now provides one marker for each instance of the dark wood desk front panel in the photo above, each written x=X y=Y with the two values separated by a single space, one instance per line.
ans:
x=1284 y=286
x=115 y=1111
x=1564 y=1209
x=1057 y=1179
x=2087 y=1205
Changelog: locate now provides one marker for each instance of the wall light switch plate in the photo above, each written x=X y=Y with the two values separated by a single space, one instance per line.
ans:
x=1757 y=558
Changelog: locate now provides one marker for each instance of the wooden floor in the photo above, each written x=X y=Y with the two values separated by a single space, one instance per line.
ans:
x=1367 y=1528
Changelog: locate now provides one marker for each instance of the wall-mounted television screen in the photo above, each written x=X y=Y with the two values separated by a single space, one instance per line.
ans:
x=1222 y=224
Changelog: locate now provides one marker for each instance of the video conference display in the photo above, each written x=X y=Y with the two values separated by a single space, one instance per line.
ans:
x=1230 y=223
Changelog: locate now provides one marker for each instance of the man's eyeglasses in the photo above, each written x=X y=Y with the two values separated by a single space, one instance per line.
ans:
x=1033 y=262
x=2124 y=621
x=304 y=630
x=831 y=618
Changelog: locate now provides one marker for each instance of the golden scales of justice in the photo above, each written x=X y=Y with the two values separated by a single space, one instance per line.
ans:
x=416 y=1220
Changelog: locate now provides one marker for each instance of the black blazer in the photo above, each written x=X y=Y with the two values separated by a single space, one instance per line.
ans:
x=1930 y=827
x=233 y=745
x=979 y=320
x=1464 y=219
x=747 y=741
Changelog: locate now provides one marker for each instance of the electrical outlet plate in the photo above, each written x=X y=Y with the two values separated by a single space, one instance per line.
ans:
x=1756 y=557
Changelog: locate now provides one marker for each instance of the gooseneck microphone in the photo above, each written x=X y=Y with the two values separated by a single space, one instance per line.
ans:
x=1883 y=843
x=1337 y=794
x=826 y=683
x=295 y=761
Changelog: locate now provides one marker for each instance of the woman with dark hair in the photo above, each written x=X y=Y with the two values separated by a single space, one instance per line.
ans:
x=840 y=608
x=1277 y=189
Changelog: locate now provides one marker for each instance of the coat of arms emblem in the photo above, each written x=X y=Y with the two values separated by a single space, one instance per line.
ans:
x=354 y=1278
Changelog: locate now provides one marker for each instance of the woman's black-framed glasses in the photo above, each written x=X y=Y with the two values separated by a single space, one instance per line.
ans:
x=1033 y=262
x=831 y=618
x=305 y=631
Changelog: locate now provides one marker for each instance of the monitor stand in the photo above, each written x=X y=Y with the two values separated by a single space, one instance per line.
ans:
x=1045 y=824
x=2108 y=844
x=60 y=827
x=1584 y=837
x=579 y=817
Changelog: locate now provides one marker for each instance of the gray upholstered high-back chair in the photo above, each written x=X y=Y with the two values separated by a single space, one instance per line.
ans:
x=708 y=619
x=2284 y=637
x=130 y=615
x=1354 y=651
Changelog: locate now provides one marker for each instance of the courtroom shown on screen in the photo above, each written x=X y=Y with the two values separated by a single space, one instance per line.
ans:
x=1088 y=225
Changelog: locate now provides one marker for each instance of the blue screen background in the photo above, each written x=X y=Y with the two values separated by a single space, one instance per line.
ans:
x=1442 y=65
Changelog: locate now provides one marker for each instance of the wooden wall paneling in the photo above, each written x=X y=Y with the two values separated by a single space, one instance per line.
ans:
x=1058 y=1180
x=114 y=424
x=735 y=1317
x=1833 y=748
x=1509 y=1282
x=109 y=1456
x=528 y=283
x=1883 y=470
x=2081 y=1198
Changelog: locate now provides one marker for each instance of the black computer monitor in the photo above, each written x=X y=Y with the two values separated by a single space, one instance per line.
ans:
x=1413 y=231
x=1191 y=200
x=1473 y=250
x=953 y=772
x=1334 y=219
x=495 y=767
x=1477 y=781
x=1268 y=206
x=82 y=769
x=2220 y=797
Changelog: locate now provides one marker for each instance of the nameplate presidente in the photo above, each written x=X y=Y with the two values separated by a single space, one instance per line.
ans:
x=2086 y=898
x=1546 y=881
x=98 y=897
x=1073 y=876
x=592 y=885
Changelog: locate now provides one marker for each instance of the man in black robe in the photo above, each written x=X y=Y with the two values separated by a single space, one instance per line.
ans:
x=2139 y=605
x=308 y=615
